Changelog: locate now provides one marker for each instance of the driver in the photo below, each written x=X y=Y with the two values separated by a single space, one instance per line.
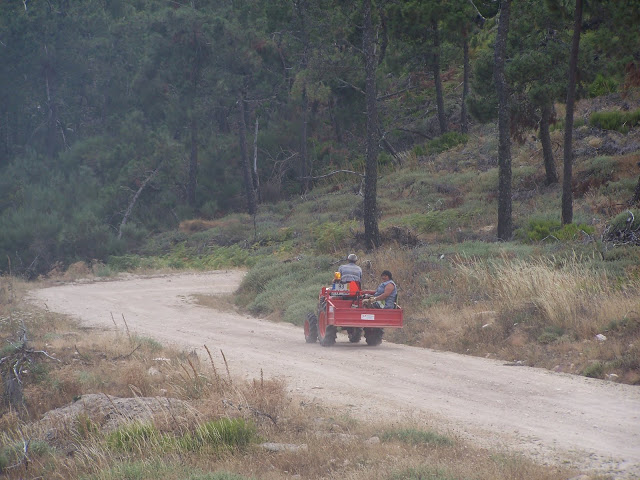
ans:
x=351 y=272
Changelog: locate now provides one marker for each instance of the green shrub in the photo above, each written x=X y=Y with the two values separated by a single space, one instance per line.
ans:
x=331 y=236
x=229 y=432
x=602 y=166
x=432 y=222
x=539 y=229
x=602 y=86
x=446 y=142
x=416 y=437
x=123 y=263
x=619 y=121
x=296 y=312
x=559 y=125
x=132 y=437
x=4 y=461
x=624 y=221
x=594 y=370
x=551 y=334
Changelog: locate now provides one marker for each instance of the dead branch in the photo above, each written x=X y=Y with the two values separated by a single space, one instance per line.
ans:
x=121 y=357
x=12 y=368
x=334 y=173
x=255 y=411
x=135 y=199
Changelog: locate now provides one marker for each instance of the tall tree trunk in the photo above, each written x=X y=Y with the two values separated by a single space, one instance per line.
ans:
x=255 y=178
x=192 y=181
x=464 y=120
x=371 y=232
x=193 y=163
x=52 y=114
x=567 y=193
x=305 y=171
x=505 y=226
x=335 y=121
x=304 y=161
x=547 y=150
x=442 y=119
x=246 y=166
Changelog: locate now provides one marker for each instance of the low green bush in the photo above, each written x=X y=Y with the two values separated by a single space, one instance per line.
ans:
x=123 y=263
x=559 y=124
x=551 y=334
x=446 y=142
x=131 y=437
x=627 y=220
x=414 y=436
x=594 y=370
x=226 y=432
x=616 y=120
x=331 y=236
x=539 y=229
x=602 y=86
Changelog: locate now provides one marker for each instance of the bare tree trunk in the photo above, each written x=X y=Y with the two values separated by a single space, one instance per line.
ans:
x=193 y=163
x=567 y=193
x=442 y=119
x=52 y=115
x=133 y=201
x=464 y=120
x=547 y=150
x=305 y=170
x=255 y=177
x=371 y=232
x=246 y=167
x=304 y=161
x=505 y=226
x=333 y=106
x=192 y=181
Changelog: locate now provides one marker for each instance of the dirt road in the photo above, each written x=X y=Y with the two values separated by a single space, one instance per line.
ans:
x=591 y=424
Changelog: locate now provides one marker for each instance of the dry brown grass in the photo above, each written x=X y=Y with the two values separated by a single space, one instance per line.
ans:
x=545 y=312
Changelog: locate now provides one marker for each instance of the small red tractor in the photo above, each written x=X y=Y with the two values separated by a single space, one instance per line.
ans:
x=341 y=306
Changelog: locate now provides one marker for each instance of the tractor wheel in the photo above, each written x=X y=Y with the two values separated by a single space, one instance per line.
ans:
x=326 y=333
x=311 y=328
x=373 y=336
x=355 y=334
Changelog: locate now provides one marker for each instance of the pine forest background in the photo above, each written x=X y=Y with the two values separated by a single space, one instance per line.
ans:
x=122 y=120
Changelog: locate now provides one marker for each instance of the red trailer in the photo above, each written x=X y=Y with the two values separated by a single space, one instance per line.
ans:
x=344 y=309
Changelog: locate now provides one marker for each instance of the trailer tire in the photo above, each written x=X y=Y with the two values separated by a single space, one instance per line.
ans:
x=373 y=336
x=311 y=328
x=355 y=334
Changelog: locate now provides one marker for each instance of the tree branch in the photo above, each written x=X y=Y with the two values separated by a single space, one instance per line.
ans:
x=477 y=11
x=347 y=84
x=334 y=173
x=135 y=199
